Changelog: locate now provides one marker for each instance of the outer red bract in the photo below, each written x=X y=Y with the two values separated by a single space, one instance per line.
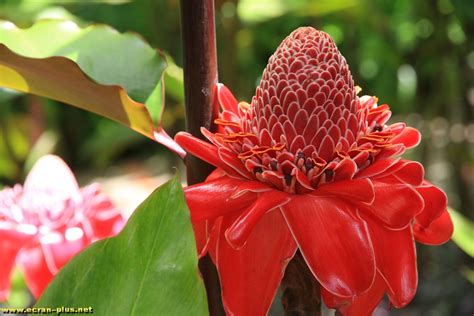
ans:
x=47 y=221
x=310 y=165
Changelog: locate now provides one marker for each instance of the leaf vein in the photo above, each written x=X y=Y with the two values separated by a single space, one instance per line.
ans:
x=147 y=267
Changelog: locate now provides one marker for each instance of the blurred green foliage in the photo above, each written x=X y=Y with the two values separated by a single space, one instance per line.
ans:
x=417 y=56
x=464 y=232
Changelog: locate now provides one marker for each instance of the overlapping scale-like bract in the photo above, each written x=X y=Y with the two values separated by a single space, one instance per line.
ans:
x=306 y=126
x=306 y=98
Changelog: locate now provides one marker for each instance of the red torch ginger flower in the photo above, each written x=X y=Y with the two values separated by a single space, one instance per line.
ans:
x=47 y=221
x=310 y=165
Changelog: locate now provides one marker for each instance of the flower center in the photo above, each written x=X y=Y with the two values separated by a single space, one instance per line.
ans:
x=305 y=125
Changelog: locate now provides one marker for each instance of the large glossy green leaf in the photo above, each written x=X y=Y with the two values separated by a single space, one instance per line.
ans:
x=96 y=68
x=150 y=268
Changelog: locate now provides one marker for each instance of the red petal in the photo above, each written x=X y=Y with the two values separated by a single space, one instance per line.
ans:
x=199 y=148
x=203 y=150
x=201 y=234
x=251 y=186
x=35 y=269
x=11 y=242
x=216 y=174
x=302 y=183
x=412 y=173
x=234 y=163
x=439 y=231
x=7 y=257
x=436 y=203
x=226 y=98
x=74 y=240
x=42 y=263
x=410 y=137
x=214 y=235
x=107 y=225
x=213 y=198
x=273 y=178
x=102 y=214
x=391 y=151
x=376 y=168
x=335 y=244
x=397 y=167
x=250 y=276
x=345 y=170
x=359 y=189
x=395 y=254
x=396 y=204
x=240 y=230
x=163 y=138
x=362 y=304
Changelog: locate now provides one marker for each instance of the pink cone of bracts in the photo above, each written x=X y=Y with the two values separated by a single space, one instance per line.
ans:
x=47 y=221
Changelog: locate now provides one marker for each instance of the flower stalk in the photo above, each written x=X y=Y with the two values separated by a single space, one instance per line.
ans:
x=200 y=79
x=300 y=291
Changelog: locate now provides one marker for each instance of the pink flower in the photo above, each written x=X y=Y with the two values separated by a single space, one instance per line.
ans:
x=47 y=221
x=310 y=165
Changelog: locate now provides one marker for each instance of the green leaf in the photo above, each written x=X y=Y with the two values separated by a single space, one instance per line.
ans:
x=463 y=234
x=150 y=268
x=44 y=145
x=251 y=11
x=7 y=95
x=96 y=68
x=14 y=143
x=174 y=81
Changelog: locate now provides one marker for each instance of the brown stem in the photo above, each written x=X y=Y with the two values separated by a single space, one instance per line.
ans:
x=35 y=108
x=200 y=77
x=301 y=291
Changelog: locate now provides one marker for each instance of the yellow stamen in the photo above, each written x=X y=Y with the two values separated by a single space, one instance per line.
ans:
x=244 y=105
x=226 y=123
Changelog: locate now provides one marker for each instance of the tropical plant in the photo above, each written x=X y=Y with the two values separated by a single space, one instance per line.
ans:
x=307 y=164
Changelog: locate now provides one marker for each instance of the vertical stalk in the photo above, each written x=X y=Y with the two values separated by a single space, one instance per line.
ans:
x=200 y=77
x=301 y=291
x=35 y=107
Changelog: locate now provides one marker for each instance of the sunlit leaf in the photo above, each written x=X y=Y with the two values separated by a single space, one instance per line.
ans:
x=463 y=232
x=14 y=143
x=259 y=11
x=44 y=145
x=150 y=268
x=19 y=295
x=174 y=81
x=468 y=274
x=96 y=68
x=7 y=95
